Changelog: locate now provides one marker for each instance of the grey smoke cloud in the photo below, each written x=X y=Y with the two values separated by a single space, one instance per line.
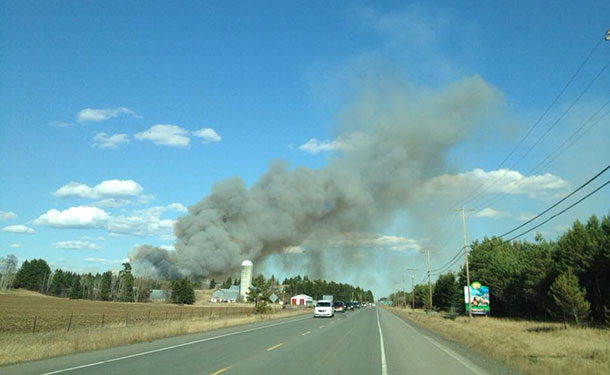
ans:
x=398 y=137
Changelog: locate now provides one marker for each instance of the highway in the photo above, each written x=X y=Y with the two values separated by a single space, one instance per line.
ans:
x=363 y=342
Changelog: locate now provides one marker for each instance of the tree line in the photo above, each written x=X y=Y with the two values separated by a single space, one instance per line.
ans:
x=36 y=275
x=317 y=288
x=566 y=279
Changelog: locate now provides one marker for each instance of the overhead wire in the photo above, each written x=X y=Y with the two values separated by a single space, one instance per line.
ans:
x=558 y=202
x=473 y=194
x=558 y=151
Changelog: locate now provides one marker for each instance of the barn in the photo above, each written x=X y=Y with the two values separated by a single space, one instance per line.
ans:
x=301 y=299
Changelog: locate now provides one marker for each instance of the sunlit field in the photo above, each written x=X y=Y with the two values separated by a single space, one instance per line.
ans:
x=34 y=326
x=528 y=346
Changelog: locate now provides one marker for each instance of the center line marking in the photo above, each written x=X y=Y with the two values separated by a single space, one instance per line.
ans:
x=274 y=347
x=384 y=366
x=220 y=371
x=306 y=333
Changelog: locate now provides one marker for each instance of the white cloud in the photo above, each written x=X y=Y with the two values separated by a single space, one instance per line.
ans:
x=112 y=203
x=526 y=216
x=61 y=124
x=107 y=188
x=99 y=115
x=497 y=182
x=7 y=215
x=103 y=140
x=74 y=217
x=368 y=240
x=490 y=212
x=165 y=135
x=313 y=146
x=15 y=245
x=207 y=135
x=293 y=250
x=18 y=229
x=105 y=262
x=168 y=247
x=88 y=238
x=76 y=245
x=145 y=222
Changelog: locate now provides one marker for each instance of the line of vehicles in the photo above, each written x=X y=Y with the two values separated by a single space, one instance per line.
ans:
x=326 y=307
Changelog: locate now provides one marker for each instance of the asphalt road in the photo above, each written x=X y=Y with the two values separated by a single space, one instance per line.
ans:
x=363 y=342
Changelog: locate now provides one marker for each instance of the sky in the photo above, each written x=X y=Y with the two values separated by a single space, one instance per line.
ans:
x=116 y=117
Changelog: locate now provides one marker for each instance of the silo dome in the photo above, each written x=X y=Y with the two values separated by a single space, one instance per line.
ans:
x=246 y=263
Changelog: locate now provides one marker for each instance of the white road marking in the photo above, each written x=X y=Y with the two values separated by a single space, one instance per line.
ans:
x=450 y=352
x=384 y=365
x=170 y=347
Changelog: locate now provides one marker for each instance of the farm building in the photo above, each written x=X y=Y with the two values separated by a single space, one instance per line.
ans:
x=301 y=299
x=226 y=295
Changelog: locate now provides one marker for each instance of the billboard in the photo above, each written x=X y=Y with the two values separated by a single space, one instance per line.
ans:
x=479 y=295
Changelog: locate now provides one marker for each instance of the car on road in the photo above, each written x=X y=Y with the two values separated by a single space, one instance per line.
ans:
x=324 y=309
x=339 y=306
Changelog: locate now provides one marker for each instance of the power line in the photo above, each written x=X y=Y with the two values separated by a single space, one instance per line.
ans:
x=582 y=93
x=561 y=212
x=473 y=194
x=558 y=202
x=570 y=141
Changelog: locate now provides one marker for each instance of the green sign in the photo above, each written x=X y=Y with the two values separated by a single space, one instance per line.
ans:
x=479 y=298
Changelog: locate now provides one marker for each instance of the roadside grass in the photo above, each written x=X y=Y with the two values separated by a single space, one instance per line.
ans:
x=124 y=323
x=528 y=346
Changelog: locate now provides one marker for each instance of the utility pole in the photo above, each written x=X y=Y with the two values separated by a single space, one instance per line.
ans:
x=466 y=257
x=412 y=288
x=429 y=283
x=404 y=291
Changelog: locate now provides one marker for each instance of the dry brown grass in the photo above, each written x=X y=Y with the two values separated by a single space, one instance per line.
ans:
x=17 y=310
x=530 y=347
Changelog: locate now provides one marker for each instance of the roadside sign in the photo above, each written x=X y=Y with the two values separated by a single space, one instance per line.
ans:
x=479 y=295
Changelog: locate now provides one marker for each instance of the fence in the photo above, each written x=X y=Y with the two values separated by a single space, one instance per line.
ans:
x=70 y=320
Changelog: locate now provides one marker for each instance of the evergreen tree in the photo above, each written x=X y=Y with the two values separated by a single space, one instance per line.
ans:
x=183 y=292
x=76 y=290
x=32 y=275
x=212 y=284
x=446 y=292
x=569 y=297
x=106 y=286
x=227 y=284
x=126 y=284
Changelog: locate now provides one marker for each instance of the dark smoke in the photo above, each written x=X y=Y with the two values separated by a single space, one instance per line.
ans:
x=395 y=139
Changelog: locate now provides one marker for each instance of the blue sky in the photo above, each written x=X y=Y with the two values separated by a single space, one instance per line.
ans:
x=116 y=116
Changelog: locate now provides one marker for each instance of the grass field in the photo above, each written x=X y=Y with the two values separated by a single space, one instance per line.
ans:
x=21 y=310
x=96 y=325
x=530 y=347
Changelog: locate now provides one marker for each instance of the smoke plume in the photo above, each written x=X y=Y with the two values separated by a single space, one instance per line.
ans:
x=394 y=138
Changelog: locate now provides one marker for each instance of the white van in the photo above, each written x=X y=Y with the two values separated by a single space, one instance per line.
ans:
x=324 y=308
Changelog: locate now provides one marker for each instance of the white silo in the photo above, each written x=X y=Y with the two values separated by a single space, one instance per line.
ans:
x=246 y=279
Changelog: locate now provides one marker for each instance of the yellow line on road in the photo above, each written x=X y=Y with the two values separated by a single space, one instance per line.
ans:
x=220 y=371
x=274 y=347
x=305 y=333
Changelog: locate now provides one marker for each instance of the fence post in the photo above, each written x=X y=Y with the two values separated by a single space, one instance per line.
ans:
x=126 y=318
x=103 y=316
x=148 y=316
x=35 y=319
x=70 y=322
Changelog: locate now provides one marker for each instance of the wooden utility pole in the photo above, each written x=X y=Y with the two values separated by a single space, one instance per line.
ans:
x=412 y=287
x=429 y=283
x=466 y=257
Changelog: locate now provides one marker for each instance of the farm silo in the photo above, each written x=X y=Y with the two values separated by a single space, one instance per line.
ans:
x=246 y=279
